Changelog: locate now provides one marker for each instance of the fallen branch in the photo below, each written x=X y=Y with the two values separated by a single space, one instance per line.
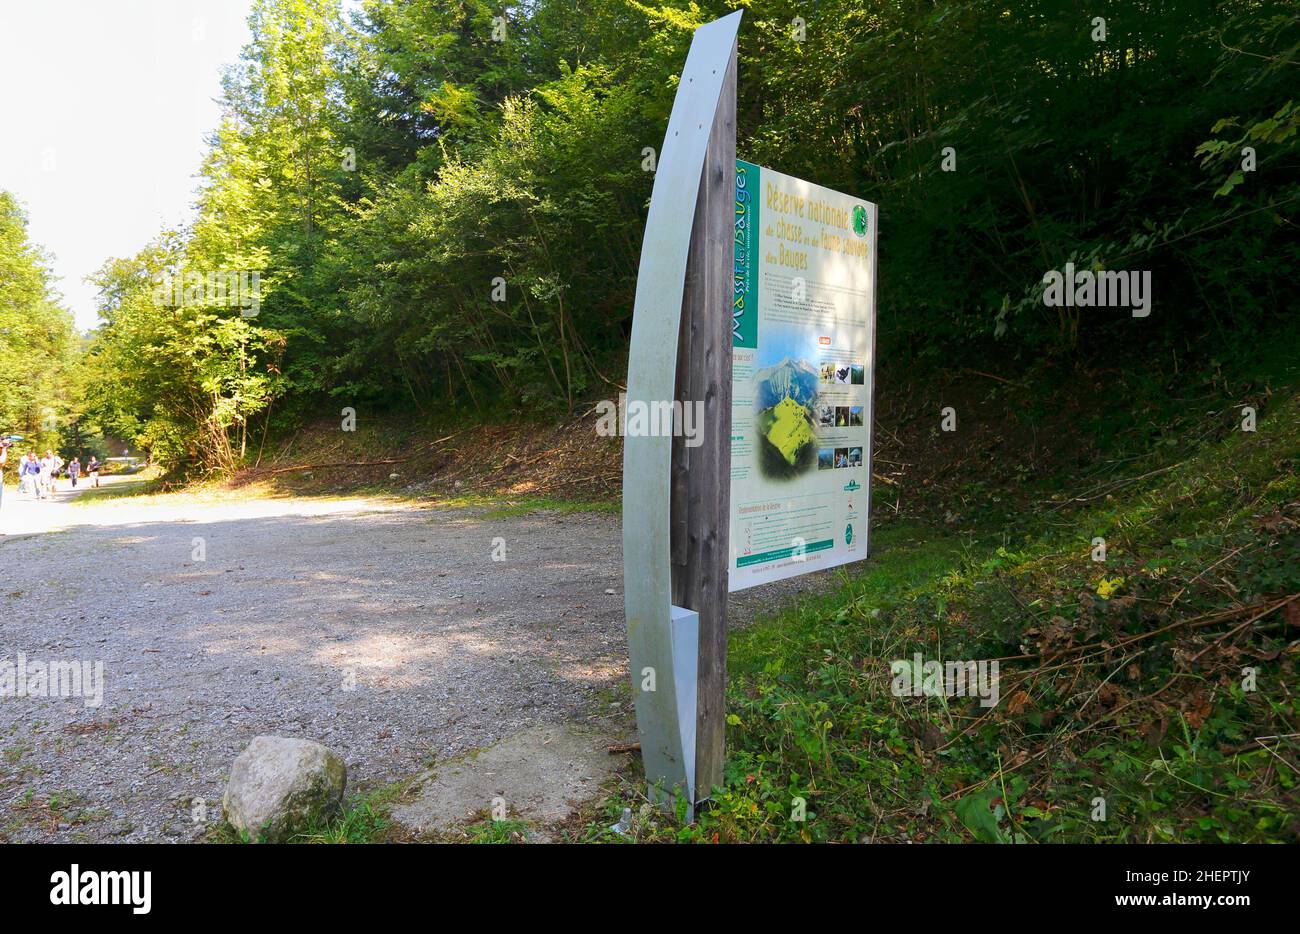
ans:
x=1182 y=590
x=394 y=460
x=989 y=375
x=612 y=476
x=1236 y=629
x=1106 y=489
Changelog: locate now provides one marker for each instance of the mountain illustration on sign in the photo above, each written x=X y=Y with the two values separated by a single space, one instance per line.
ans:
x=784 y=394
x=792 y=379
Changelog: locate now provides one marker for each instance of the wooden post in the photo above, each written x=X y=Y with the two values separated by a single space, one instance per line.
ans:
x=701 y=475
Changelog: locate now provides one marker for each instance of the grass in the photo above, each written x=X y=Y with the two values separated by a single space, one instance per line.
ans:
x=519 y=506
x=1145 y=697
x=509 y=830
x=364 y=818
x=148 y=482
x=496 y=505
x=150 y=489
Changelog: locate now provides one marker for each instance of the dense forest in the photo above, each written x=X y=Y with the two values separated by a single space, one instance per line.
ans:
x=437 y=205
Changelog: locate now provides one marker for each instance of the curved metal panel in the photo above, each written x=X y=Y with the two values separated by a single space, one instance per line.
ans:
x=667 y=729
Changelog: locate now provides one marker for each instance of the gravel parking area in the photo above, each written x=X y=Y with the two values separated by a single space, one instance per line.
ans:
x=384 y=630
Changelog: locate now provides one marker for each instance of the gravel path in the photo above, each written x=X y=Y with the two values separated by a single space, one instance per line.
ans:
x=386 y=631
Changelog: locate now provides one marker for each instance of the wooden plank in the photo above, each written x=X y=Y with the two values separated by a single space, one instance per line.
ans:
x=702 y=475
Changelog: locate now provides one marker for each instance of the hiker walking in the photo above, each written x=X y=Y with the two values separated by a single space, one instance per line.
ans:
x=29 y=475
x=92 y=469
x=74 y=470
x=49 y=467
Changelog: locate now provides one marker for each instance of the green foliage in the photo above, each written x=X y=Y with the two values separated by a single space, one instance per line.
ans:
x=385 y=172
x=1065 y=148
x=179 y=379
x=37 y=344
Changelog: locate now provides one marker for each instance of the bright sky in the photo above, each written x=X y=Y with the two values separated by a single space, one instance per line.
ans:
x=105 y=107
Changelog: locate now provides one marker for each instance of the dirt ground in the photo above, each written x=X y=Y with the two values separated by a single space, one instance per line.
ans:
x=382 y=628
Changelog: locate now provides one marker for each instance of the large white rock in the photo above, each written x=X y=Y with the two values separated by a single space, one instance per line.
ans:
x=279 y=785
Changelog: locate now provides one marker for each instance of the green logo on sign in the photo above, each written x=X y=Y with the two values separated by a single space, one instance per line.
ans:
x=848 y=534
x=852 y=485
x=860 y=221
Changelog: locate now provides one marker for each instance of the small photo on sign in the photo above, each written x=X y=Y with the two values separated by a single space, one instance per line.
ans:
x=826 y=415
x=855 y=457
x=858 y=373
x=843 y=374
x=841 y=457
x=841 y=416
x=825 y=458
x=855 y=416
x=828 y=373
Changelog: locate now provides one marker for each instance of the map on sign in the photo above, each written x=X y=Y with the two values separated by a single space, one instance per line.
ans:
x=803 y=335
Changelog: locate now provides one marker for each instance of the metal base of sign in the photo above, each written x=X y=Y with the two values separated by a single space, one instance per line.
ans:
x=667 y=714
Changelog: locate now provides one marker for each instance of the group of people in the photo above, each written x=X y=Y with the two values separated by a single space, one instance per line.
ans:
x=38 y=477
